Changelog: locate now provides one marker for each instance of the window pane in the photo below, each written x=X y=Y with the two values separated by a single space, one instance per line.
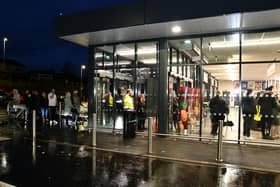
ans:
x=147 y=53
x=261 y=47
x=221 y=49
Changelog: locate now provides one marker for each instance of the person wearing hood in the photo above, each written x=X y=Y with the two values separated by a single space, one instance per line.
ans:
x=248 y=111
x=268 y=104
x=218 y=109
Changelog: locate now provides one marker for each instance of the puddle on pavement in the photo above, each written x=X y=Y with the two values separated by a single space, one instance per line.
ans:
x=50 y=164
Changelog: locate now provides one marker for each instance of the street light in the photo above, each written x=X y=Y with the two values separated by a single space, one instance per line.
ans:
x=81 y=92
x=4 y=48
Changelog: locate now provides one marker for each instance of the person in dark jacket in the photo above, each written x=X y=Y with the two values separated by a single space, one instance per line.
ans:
x=76 y=102
x=44 y=107
x=35 y=102
x=218 y=110
x=248 y=110
x=27 y=102
x=268 y=104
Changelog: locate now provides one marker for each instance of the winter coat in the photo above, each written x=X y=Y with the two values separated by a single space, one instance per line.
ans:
x=248 y=105
x=267 y=103
x=218 y=106
x=43 y=102
x=35 y=102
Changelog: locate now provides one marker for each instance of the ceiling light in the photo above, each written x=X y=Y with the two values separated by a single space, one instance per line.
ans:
x=187 y=42
x=150 y=50
x=268 y=41
x=176 y=29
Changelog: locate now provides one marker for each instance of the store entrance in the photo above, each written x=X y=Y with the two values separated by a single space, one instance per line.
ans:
x=117 y=75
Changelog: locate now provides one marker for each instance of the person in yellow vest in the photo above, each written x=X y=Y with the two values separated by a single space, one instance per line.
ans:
x=109 y=104
x=128 y=103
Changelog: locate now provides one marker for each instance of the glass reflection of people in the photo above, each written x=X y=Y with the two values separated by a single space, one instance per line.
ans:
x=268 y=104
x=218 y=110
x=109 y=105
x=175 y=110
x=119 y=101
x=141 y=111
x=119 y=109
x=248 y=110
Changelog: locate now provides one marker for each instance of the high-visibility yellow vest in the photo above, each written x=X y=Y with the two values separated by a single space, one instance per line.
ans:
x=110 y=100
x=128 y=103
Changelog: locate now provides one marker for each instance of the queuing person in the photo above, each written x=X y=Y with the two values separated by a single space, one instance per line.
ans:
x=248 y=110
x=141 y=112
x=67 y=104
x=44 y=107
x=218 y=110
x=76 y=101
x=27 y=102
x=15 y=100
x=35 y=101
x=268 y=104
x=16 y=97
x=52 y=107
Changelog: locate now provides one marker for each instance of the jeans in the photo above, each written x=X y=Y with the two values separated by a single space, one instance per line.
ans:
x=44 y=113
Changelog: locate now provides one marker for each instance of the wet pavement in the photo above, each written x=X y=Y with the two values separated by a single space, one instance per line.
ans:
x=244 y=156
x=62 y=157
x=23 y=163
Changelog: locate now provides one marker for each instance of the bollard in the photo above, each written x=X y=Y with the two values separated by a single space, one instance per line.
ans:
x=94 y=162
x=34 y=124
x=220 y=142
x=150 y=168
x=59 y=114
x=94 y=130
x=150 y=135
x=34 y=151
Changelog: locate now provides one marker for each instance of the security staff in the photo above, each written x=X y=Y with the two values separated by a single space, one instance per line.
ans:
x=128 y=103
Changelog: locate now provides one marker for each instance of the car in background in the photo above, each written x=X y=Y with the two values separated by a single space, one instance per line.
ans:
x=4 y=98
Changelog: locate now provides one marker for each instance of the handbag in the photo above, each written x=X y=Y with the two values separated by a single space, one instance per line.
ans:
x=228 y=123
x=257 y=116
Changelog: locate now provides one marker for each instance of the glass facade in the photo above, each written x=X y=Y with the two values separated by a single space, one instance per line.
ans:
x=120 y=68
x=197 y=68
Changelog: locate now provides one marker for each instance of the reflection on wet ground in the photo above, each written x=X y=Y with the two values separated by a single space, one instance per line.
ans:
x=27 y=163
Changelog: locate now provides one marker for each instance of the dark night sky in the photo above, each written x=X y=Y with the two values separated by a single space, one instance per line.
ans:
x=29 y=26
